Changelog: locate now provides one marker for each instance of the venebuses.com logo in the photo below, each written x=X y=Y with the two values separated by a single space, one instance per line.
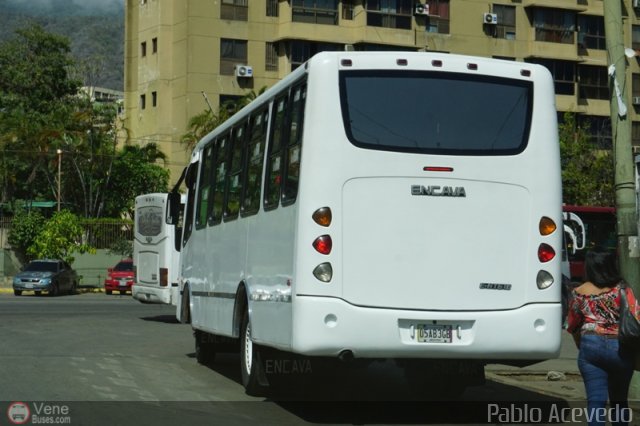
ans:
x=18 y=413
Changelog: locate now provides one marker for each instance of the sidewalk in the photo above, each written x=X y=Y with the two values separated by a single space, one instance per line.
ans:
x=558 y=377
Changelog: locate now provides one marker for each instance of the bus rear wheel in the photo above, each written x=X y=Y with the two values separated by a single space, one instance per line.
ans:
x=251 y=368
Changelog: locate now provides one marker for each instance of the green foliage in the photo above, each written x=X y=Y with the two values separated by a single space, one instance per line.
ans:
x=135 y=171
x=103 y=232
x=36 y=99
x=61 y=236
x=95 y=29
x=41 y=112
x=587 y=171
x=201 y=124
x=123 y=248
x=25 y=227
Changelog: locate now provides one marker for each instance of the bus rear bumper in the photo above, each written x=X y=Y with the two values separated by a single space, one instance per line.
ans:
x=151 y=295
x=325 y=326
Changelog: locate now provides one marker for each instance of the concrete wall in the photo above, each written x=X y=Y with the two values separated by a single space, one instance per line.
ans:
x=92 y=267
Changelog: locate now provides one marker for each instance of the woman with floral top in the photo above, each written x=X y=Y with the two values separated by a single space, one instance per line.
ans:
x=594 y=312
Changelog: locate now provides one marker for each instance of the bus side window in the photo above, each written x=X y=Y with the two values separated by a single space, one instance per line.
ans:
x=293 y=148
x=274 y=163
x=222 y=148
x=204 y=187
x=255 y=156
x=190 y=181
x=233 y=187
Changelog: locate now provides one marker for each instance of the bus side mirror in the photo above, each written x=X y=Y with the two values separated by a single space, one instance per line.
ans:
x=173 y=208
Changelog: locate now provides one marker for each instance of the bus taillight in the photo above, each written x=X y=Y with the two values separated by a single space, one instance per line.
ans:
x=322 y=216
x=545 y=253
x=164 y=277
x=323 y=244
x=546 y=226
x=323 y=272
x=544 y=279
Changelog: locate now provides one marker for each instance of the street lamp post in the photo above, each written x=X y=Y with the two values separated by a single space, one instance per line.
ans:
x=59 y=152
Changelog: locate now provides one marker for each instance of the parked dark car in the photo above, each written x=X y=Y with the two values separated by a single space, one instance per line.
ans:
x=51 y=275
x=120 y=277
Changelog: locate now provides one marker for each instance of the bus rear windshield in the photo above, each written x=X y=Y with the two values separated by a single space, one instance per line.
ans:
x=436 y=112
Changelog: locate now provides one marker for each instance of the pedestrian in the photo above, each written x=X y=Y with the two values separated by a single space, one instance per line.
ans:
x=593 y=318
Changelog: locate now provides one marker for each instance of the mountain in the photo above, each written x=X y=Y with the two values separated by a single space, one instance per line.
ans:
x=94 y=27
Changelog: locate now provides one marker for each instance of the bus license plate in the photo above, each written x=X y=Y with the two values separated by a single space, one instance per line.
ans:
x=433 y=333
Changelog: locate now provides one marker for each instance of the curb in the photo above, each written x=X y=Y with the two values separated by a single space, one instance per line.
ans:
x=80 y=290
x=571 y=388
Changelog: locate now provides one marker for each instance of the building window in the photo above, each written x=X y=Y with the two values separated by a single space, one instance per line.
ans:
x=271 y=57
x=154 y=45
x=143 y=101
x=506 y=27
x=301 y=51
x=635 y=133
x=315 y=11
x=234 y=10
x=154 y=99
x=347 y=10
x=635 y=37
x=143 y=49
x=563 y=72
x=594 y=82
x=232 y=53
x=438 y=20
x=389 y=13
x=591 y=32
x=554 y=25
x=635 y=87
x=273 y=8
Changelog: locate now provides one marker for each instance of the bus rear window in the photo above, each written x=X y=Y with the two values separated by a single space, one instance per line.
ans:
x=436 y=112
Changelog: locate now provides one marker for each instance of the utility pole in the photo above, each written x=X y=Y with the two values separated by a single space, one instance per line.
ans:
x=627 y=223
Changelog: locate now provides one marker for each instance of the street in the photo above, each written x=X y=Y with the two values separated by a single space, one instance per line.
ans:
x=112 y=360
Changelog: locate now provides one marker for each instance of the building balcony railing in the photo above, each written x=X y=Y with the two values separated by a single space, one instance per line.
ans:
x=315 y=15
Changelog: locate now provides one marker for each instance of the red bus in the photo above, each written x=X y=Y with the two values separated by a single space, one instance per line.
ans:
x=600 y=230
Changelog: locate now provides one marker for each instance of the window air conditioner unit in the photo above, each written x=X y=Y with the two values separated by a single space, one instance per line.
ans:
x=490 y=18
x=635 y=100
x=421 y=9
x=244 y=71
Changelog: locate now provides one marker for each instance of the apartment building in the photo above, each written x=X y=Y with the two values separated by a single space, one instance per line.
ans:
x=184 y=55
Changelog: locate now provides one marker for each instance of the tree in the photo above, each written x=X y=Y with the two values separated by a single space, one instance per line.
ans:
x=201 y=124
x=36 y=100
x=61 y=236
x=587 y=170
x=25 y=227
x=135 y=171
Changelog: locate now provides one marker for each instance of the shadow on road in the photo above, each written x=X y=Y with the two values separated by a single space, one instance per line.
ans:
x=167 y=319
x=379 y=394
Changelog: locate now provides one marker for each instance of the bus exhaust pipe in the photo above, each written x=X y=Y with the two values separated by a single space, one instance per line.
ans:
x=346 y=356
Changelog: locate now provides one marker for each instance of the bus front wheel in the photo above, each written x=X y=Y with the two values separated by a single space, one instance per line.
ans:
x=252 y=371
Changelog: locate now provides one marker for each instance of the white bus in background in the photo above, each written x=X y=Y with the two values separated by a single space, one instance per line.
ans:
x=381 y=205
x=155 y=257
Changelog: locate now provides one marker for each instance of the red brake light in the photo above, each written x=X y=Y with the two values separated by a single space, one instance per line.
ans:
x=323 y=244
x=545 y=253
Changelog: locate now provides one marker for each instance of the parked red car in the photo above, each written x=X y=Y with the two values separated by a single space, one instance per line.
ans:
x=120 y=277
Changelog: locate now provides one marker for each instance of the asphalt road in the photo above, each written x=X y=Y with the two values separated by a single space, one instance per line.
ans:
x=99 y=359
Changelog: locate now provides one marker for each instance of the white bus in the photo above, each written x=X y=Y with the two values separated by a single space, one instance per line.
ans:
x=155 y=255
x=382 y=205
